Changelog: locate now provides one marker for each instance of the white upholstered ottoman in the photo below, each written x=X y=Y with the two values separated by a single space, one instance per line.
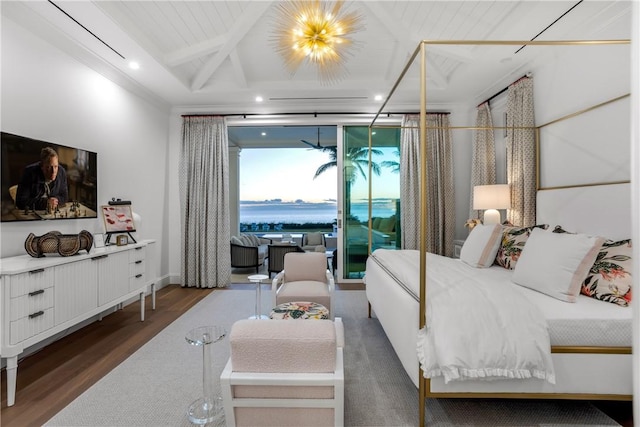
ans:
x=284 y=374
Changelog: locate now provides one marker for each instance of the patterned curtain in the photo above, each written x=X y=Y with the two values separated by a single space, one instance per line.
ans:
x=410 y=181
x=204 y=197
x=483 y=160
x=521 y=153
x=440 y=188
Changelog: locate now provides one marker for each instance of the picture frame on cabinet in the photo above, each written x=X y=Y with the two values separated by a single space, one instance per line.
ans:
x=98 y=240
x=118 y=218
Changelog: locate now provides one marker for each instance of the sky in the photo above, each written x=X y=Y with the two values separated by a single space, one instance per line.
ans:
x=287 y=174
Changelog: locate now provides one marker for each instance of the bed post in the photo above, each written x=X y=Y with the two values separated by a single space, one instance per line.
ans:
x=423 y=216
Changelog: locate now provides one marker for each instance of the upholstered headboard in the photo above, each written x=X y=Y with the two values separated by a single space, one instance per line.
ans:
x=603 y=210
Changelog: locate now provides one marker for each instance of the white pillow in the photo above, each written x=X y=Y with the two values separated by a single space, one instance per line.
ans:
x=556 y=264
x=480 y=248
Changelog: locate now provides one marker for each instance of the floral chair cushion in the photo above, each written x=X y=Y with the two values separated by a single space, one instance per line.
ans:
x=513 y=241
x=610 y=276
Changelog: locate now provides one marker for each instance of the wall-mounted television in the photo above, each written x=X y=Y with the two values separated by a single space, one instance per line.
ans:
x=40 y=184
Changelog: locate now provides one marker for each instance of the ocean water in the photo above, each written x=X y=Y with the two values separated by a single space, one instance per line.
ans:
x=301 y=213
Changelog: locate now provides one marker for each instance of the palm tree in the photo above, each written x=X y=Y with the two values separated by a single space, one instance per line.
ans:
x=356 y=160
x=392 y=164
x=356 y=163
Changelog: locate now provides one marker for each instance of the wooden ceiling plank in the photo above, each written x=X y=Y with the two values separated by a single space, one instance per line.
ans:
x=241 y=27
x=407 y=42
x=410 y=39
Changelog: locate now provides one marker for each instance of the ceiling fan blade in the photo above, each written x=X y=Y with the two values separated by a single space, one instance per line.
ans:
x=311 y=144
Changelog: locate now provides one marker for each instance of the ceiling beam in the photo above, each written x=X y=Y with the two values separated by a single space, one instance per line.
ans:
x=238 y=70
x=195 y=51
x=406 y=44
x=235 y=35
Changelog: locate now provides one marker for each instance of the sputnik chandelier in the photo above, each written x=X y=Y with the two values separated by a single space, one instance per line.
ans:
x=316 y=32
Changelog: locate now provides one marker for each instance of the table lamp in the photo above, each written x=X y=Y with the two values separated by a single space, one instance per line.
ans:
x=490 y=198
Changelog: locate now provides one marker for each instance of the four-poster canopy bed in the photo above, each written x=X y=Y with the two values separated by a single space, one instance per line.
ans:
x=589 y=340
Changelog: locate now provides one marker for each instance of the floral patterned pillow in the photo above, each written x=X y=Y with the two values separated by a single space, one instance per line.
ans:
x=610 y=276
x=513 y=240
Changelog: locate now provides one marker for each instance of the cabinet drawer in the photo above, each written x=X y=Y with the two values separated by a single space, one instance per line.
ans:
x=23 y=283
x=136 y=282
x=33 y=302
x=137 y=254
x=136 y=268
x=33 y=324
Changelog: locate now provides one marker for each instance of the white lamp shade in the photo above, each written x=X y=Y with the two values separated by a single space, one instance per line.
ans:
x=491 y=197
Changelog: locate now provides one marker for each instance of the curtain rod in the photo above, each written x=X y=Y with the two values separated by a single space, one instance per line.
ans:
x=526 y=76
x=245 y=115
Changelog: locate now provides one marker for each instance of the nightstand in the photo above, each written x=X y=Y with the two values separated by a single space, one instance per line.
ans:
x=457 y=247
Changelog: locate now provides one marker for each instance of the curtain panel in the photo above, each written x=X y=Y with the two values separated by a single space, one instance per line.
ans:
x=410 y=182
x=521 y=153
x=204 y=197
x=483 y=158
x=440 y=187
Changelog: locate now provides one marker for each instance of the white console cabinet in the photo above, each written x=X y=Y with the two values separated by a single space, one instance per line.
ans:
x=41 y=297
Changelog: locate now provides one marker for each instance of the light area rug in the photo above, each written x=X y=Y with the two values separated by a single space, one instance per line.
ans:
x=240 y=275
x=156 y=384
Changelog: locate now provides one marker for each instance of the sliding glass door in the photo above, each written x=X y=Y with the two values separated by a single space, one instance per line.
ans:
x=369 y=224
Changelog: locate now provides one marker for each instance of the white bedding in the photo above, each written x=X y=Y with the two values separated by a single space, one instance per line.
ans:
x=587 y=322
x=475 y=329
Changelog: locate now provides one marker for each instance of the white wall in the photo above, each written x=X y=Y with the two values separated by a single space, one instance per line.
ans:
x=173 y=208
x=48 y=95
x=594 y=146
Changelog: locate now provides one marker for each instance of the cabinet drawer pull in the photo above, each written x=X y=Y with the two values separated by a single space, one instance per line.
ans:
x=137 y=249
x=39 y=270
x=138 y=276
x=99 y=257
x=138 y=262
x=36 y=314
x=34 y=293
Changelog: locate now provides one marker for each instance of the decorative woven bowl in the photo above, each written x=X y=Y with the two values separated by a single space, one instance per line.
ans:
x=56 y=242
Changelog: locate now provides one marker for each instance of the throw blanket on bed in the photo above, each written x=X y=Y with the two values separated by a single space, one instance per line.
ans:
x=475 y=328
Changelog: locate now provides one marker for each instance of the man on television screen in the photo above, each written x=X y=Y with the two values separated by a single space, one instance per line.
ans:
x=43 y=185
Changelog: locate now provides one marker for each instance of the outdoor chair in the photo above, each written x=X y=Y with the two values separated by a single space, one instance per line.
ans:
x=311 y=241
x=305 y=277
x=248 y=251
x=276 y=255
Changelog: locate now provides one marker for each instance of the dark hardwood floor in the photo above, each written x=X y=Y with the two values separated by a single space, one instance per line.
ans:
x=53 y=377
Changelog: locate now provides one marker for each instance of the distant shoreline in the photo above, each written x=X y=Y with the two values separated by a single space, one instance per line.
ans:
x=308 y=214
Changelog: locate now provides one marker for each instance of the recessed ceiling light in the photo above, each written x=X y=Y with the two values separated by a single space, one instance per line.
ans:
x=259 y=99
x=263 y=133
x=134 y=65
x=378 y=97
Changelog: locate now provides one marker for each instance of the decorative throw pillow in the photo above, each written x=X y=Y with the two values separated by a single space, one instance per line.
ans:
x=236 y=241
x=479 y=250
x=556 y=264
x=513 y=241
x=610 y=276
x=246 y=240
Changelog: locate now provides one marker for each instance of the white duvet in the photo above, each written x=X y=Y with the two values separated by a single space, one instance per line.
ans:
x=475 y=328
